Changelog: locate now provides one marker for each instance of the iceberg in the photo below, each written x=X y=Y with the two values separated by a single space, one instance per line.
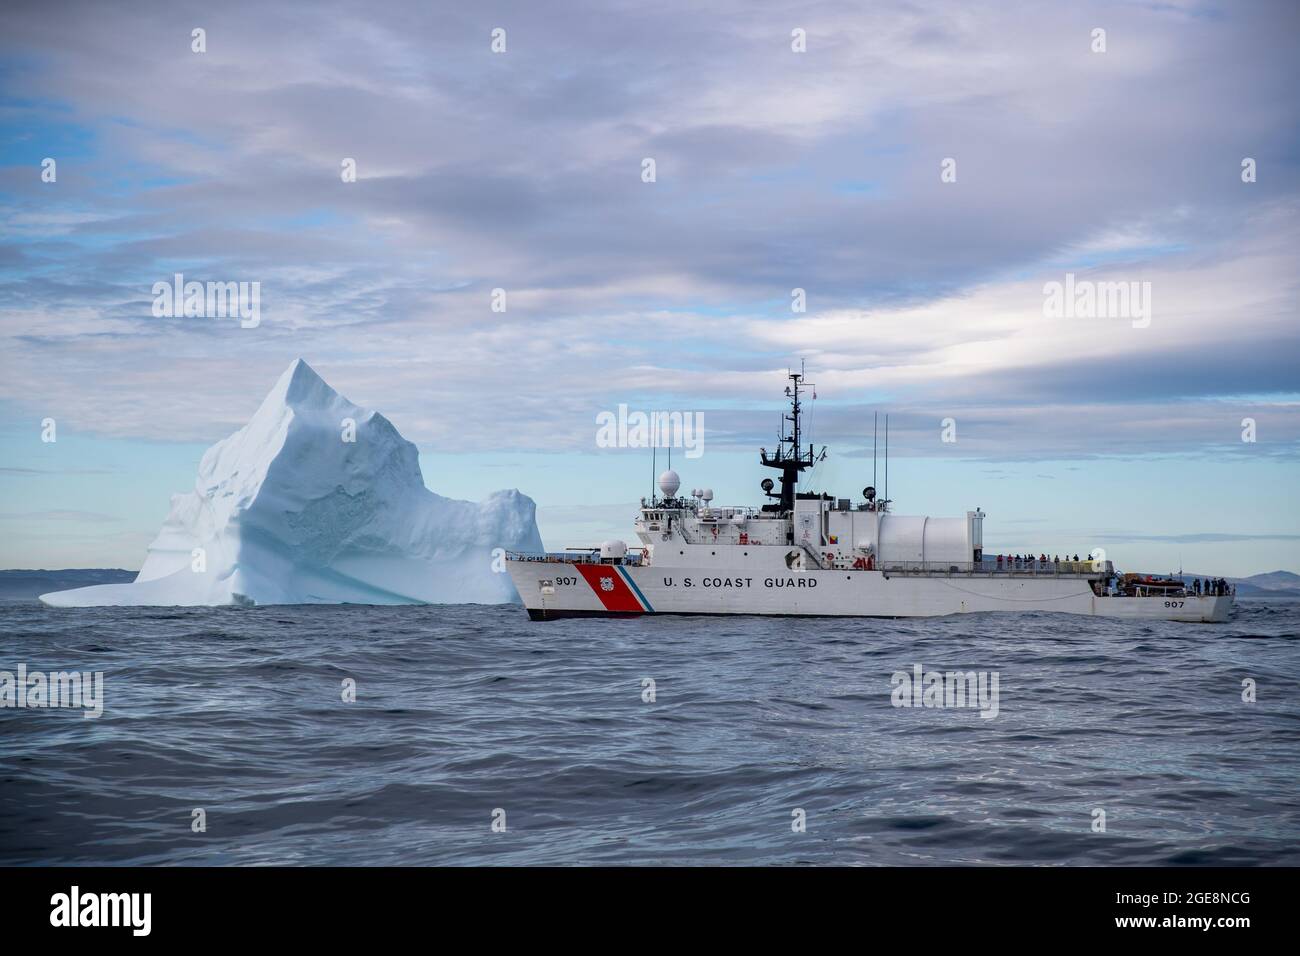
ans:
x=319 y=501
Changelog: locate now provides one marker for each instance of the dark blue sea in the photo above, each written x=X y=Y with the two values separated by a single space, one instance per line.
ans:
x=463 y=712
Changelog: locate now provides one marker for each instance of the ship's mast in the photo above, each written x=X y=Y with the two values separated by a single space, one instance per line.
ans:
x=789 y=458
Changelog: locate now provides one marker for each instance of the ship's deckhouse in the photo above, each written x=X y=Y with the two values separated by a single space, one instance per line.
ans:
x=819 y=530
x=828 y=532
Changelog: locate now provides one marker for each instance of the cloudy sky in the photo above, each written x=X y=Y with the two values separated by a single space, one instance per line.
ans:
x=775 y=170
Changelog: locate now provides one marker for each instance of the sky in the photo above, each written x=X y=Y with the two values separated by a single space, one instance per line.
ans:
x=921 y=171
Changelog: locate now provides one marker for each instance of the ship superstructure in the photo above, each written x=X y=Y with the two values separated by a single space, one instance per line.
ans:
x=810 y=553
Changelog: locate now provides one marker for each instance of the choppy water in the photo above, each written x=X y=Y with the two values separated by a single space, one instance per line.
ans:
x=464 y=710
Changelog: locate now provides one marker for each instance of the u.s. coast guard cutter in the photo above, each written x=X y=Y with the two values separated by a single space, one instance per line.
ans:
x=810 y=554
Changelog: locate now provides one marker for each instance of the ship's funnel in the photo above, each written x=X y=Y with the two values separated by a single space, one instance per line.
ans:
x=669 y=482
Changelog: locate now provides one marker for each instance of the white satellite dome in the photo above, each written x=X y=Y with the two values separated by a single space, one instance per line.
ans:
x=669 y=482
x=707 y=494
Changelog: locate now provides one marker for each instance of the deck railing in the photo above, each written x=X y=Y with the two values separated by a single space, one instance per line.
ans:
x=1009 y=568
x=631 y=559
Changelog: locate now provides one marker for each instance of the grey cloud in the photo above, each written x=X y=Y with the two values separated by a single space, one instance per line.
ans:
x=1197 y=538
x=522 y=171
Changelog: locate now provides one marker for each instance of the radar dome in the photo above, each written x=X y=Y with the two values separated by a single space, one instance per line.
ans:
x=669 y=482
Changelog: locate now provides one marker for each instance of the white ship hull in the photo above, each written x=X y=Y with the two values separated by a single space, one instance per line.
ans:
x=557 y=589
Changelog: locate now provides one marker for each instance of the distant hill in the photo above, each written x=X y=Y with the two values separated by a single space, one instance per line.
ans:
x=1274 y=581
x=25 y=585
x=1269 y=584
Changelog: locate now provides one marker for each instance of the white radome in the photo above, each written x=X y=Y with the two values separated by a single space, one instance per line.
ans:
x=669 y=482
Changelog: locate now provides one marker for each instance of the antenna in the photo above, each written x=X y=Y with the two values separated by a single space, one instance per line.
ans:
x=789 y=457
x=875 y=427
x=886 y=459
x=654 y=471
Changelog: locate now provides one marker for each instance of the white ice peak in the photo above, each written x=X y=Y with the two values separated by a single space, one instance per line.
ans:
x=318 y=500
